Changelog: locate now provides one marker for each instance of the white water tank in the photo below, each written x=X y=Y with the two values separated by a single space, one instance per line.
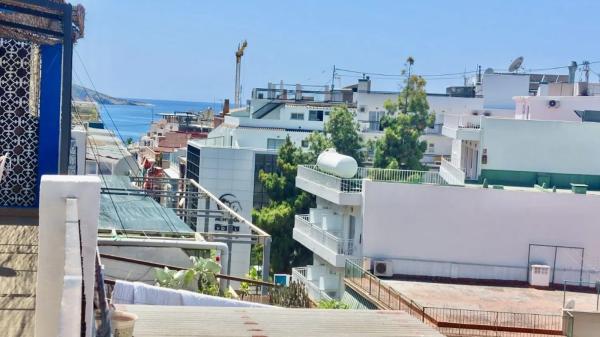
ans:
x=337 y=164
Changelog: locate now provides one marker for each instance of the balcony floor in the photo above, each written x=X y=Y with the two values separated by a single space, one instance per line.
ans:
x=18 y=266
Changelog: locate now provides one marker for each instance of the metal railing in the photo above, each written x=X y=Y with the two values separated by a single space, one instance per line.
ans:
x=315 y=294
x=354 y=184
x=312 y=173
x=452 y=174
x=462 y=121
x=453 y=321
x=327 y=239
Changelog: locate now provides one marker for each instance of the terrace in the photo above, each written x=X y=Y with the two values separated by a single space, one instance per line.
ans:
x=464 y=127
x=347 y=191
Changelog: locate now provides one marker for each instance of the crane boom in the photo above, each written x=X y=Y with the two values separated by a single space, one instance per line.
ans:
x=238 y=69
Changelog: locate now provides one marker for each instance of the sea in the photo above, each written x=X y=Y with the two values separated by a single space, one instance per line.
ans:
x=133 y=121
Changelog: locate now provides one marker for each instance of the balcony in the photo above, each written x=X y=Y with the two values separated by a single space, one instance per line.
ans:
x=344 y=191
x=315 y=293
x=463 y=127
x=327 y=244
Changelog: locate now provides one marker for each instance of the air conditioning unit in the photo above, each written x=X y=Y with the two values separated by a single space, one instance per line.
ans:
x=539 y=275
x=553 y=103
x=383 y=268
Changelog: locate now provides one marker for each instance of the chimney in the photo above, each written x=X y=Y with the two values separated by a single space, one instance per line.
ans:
x=298 y=95
x=364 y=84
x=225 y=107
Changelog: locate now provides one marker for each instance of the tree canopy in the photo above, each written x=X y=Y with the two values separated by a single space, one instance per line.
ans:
x=343 y=130
x=277 y=218
x=400 y=146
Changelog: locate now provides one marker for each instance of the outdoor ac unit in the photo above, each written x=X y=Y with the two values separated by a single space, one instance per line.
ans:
x=539 y=275
x=383 y=268
x=553 y=103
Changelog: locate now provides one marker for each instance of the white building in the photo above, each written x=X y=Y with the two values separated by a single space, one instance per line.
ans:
x=428 y=228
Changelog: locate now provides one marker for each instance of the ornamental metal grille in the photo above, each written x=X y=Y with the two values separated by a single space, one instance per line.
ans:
x=19 y=135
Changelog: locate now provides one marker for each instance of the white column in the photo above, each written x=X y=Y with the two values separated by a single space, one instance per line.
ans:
x=54 y=192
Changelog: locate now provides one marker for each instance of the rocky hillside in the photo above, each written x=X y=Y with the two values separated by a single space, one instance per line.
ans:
x=88 y=95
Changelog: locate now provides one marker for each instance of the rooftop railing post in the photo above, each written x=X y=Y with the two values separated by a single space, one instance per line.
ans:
x=266 y=262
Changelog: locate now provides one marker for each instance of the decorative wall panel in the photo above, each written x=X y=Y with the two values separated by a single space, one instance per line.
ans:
x=19 y=135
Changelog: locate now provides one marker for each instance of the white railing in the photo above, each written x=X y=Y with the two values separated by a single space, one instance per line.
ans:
x=452 y=174
x=327 y=239
x=462 y=121
x=354 y=185
x=312 y=173
x=313 y=290
x=401 y=176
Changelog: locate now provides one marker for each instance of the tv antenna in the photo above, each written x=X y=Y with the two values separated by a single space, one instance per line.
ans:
x=516 y=65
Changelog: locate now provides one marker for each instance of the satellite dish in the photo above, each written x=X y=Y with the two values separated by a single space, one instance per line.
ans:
x=516 y=64
x=489 y=71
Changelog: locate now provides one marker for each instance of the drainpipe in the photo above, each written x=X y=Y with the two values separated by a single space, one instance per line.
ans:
x=184 y=244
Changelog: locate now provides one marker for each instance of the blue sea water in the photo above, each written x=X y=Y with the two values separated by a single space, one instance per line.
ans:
x=134 y=120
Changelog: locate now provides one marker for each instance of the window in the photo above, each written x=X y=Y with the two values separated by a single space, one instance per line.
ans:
x=274 y=143
x=315 y=115
x=304 y=143
x=430 y=147
x=327 y=112
x=297 y=116
x=268 y=164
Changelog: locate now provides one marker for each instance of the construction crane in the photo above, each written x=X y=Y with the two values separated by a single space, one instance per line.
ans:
x=238 y=69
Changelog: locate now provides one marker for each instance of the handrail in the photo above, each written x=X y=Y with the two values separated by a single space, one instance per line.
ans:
x=162 y=265
x=341 y=245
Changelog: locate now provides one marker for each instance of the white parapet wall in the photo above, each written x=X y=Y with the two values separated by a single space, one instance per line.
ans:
x=56 y=192
x=469 y=232
x=585 y=323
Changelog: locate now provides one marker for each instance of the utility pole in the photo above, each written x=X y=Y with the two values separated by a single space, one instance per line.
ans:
x=333 y=78
x=238 y=69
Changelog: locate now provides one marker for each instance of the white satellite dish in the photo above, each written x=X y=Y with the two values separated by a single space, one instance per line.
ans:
x=516 y=64
x=489 y=71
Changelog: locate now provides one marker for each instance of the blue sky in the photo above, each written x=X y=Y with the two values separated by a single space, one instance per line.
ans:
x=184 y=49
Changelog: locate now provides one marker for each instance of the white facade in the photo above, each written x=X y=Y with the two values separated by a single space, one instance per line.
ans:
x=563 y=108
x=474 y=233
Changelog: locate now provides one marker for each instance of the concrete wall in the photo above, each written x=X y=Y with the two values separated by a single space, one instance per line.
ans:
x=52 y=247
x=478 y=233
x=585 y=324
x=499 y=90
x=541 y=146
x=536 y=107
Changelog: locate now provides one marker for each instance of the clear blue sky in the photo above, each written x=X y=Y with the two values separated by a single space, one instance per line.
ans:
x=184 y=49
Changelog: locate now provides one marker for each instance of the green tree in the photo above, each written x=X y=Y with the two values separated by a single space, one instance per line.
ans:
x=343 y=130
x=400 y=146
x=277 y=218
x=317 y=143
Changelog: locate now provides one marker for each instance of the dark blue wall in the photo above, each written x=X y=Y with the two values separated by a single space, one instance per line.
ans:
x=49 y=118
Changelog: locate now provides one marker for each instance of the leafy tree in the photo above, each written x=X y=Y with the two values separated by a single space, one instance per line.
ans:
x=277 y=218
x=332 y=304
x=400 y=146
x=317 y=143
x=343 y=130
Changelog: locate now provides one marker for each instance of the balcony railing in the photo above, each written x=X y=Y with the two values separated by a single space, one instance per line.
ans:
x=462 y=121
x=354 y=185
x=452 y=174
x=327 y=239
x=315 y=294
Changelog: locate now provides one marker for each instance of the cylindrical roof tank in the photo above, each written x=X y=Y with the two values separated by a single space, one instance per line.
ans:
x=337 y=164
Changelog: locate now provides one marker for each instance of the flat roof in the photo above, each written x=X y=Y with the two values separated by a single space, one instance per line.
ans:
x=18 y=273
x=273 y=322
x=490 y=298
